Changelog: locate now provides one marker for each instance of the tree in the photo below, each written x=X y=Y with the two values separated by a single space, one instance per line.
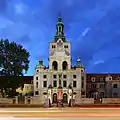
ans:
x=14 y=60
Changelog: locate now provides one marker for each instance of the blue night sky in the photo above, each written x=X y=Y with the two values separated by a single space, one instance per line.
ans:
x=92 y=27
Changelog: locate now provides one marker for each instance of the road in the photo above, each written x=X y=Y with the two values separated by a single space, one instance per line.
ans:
x=60 y=113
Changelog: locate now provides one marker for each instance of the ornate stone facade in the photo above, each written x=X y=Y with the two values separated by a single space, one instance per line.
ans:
x=60 y=78
x=63 y=82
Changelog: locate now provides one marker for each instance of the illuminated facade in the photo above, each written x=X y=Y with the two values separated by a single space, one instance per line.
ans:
x=60 y=80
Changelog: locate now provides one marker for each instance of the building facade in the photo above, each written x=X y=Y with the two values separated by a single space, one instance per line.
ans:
x=60 y=79
x=103 y=86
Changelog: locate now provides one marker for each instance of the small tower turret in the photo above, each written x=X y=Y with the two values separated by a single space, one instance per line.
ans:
x=78 y=64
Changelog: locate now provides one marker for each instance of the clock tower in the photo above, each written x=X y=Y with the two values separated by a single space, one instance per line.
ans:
x=59 y=52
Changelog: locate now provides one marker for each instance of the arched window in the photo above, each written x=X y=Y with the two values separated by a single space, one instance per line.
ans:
x=55 y=98
x=65 y=98
x=64 y=65
x=55 y=65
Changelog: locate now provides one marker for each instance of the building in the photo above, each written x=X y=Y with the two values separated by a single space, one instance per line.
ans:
x=60 y=78
x=103 y=85
x=26 y=87
x=62 y=81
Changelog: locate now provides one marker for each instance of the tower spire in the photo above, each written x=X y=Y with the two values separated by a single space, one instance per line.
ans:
x=59 y=29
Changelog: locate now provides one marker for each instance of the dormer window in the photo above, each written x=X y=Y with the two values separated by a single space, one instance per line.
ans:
x=93 y=79
x=53 y=46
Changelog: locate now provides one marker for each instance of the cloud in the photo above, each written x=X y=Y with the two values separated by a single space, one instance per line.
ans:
x=85 y=32
x=98 y=62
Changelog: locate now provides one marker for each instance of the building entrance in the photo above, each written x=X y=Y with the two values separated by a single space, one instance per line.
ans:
x=55 y=98
x=65 y=98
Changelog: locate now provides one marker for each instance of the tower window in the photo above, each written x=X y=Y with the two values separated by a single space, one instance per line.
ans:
x=44 y=83
x=54 y=83
x=74 y=84
x=64 y=83
x=65 y=76
x=74 y=76
x=55 y=65
x=64 y=65
x=55 y=76
x=44 y=76
x=53 y=46
x=66 y=46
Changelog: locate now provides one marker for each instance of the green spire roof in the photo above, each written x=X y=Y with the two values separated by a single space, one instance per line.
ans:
x=59 y=30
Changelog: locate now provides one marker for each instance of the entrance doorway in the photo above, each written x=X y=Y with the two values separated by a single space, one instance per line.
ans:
x=65 y=98
x=55 y=98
